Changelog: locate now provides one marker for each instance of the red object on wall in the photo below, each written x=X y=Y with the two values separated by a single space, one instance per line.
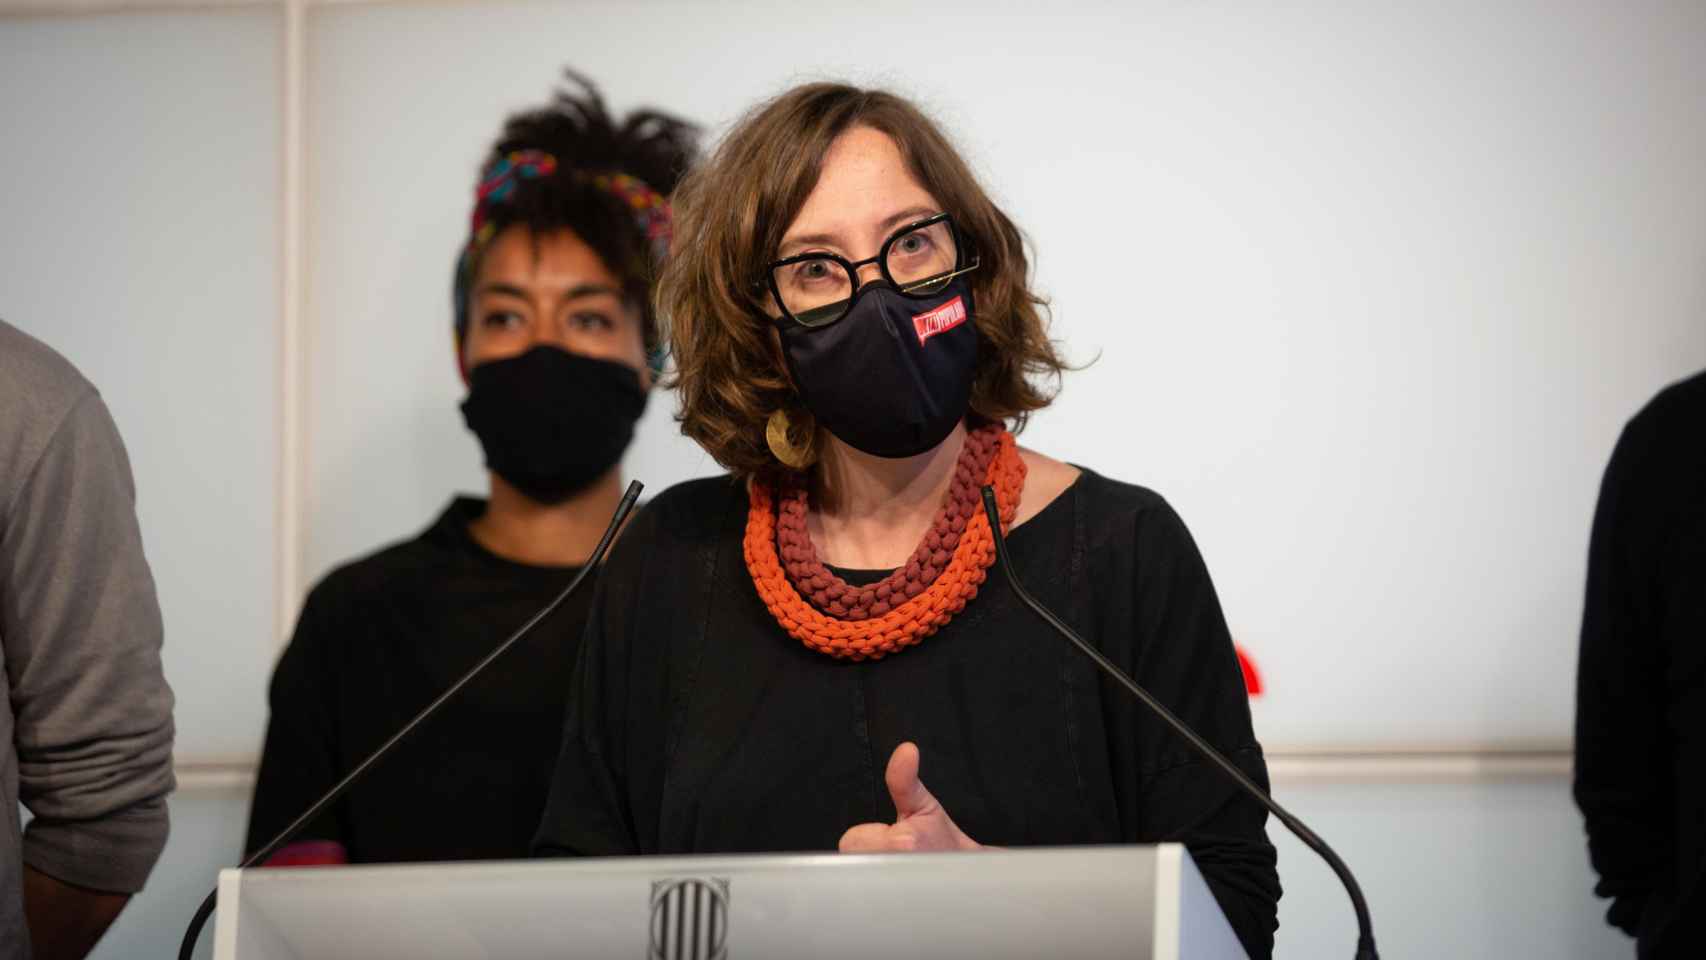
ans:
x=1252 y=679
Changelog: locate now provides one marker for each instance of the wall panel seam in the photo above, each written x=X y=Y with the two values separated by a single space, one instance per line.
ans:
x=1285 y=768
x=293 y=441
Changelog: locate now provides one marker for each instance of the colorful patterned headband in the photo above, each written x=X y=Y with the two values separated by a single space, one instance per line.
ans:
x=498 y=185
x=650 y=210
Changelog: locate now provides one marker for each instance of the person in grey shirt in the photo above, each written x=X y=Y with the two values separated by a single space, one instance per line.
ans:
x=85 y=712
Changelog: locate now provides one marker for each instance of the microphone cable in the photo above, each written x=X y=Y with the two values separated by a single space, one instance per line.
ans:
x=186 y=950
x=1365 y=927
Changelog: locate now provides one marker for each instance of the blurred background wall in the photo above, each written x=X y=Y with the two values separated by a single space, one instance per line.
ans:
x=1366 y=290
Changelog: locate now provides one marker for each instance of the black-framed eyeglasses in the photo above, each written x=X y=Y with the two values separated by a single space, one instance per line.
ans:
x=918 y=260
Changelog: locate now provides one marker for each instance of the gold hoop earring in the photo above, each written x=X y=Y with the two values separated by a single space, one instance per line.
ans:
x=795 y=456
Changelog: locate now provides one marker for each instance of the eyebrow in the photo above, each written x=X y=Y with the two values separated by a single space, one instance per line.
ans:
x=894 y=220
x=575 y=292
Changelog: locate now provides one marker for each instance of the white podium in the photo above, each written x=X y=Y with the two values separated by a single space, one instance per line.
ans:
x=1137 y=903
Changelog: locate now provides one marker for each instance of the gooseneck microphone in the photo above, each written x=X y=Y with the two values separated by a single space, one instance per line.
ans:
x=187 y=949
x=1365 y=927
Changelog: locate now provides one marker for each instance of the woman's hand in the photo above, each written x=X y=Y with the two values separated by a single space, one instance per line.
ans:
x=920 y=822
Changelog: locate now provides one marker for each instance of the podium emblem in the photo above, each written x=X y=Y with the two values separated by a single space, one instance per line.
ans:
x=690 y=918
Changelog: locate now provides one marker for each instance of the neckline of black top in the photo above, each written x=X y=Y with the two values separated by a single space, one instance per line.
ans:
x=453 y=529
x=863 y=578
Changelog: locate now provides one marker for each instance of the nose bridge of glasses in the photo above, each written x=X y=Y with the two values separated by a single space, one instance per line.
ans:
x=867 y=270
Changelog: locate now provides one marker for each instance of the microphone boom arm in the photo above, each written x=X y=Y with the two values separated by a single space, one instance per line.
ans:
x=1365 y=927
x=187 y=949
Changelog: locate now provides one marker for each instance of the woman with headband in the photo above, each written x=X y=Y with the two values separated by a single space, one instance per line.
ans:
x=813 y=653
x=555 y=340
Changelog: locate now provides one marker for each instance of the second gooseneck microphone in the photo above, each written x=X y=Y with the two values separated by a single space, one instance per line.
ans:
x=186 y=950
x=1365 y=927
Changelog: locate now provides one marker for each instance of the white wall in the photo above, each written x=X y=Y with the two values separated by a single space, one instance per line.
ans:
x=139 y=224
x=1371 y=294
x=1488 y=870
x=1370 y=290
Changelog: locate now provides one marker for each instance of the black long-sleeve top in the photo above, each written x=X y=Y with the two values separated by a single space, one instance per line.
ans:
x=697 y=725
x=380 y=638
x=1640 y=775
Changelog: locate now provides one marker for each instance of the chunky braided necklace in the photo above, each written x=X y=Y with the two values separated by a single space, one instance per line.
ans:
x=843 y=601
x=909 y=616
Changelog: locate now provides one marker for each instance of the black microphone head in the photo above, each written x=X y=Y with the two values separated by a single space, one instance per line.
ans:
x=991 y=510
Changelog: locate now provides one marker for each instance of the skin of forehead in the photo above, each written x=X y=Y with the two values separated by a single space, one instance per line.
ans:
x=863 y=183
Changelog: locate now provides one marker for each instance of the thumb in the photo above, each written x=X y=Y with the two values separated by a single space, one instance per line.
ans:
x=908 y=792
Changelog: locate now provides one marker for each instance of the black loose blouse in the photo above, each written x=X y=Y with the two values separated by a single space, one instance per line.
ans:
x=697 y=725
x=378 y=640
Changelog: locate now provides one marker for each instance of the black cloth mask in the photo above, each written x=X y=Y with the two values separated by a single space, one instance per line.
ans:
x=550 y=421
x=894 y=375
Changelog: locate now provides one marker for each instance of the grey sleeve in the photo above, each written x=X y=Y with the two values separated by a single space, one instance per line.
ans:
x=82 y=634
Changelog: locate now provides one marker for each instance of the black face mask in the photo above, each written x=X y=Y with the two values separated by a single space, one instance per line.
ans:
x=550 y=421
x=893 y=376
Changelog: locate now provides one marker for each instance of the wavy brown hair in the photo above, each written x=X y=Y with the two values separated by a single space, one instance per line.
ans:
x=730 y=215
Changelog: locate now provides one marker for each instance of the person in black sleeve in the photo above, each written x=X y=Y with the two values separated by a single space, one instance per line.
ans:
x=812 y=653
x=1640 y=775
x=556 y=341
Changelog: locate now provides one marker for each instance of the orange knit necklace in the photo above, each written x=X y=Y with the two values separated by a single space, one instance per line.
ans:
x=906 y=623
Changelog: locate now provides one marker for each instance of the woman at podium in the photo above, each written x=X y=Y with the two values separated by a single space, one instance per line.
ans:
x=813 y=651
x=555 y=341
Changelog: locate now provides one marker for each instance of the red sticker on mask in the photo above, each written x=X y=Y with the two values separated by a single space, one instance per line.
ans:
x=939 y=320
